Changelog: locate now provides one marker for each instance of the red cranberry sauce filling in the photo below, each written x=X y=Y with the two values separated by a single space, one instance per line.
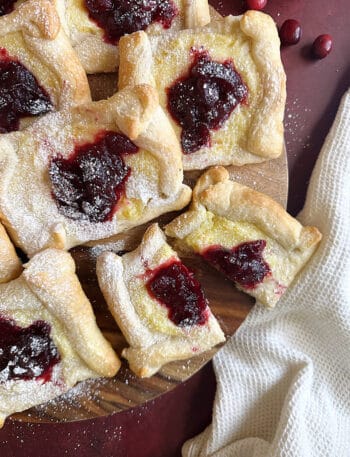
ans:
x=88 y=184
x=175 y=287
x=243 y=264
x=6 y=6
x=203 y=99
x=119 y=17
x=20 y=94
x=26 y=353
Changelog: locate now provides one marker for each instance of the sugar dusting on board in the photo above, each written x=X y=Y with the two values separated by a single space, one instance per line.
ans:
x=78 y=398
x=294 y=123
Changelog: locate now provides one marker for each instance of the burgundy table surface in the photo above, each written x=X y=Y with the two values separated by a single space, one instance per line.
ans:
x=159 y=428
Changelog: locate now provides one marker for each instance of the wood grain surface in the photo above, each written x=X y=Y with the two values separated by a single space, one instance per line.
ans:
x=101 y=397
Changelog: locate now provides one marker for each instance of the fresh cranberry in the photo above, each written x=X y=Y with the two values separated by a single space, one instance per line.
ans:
x=290 y=32
x=26 y=353
x=175 y=287
x=256 y=4
x=243 y=264
x=119 y=17
x=322 y=46
x=88 y=184
x=204 y=98
x=20 y=94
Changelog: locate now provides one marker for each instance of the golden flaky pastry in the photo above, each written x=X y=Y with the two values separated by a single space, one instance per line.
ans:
x=31 y=37
x=245 y=234
x=10 y=265
x=157 y=303
x=97 y=46
x=223 y=86
x=49 y=339
x=90 y=172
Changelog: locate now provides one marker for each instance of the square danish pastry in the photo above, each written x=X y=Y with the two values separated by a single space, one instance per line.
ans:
x=49 y=339
x=158 y=304
x=90 y=172
x=95 y=26
x=245 y=235
x=223 y=87
x=39 y=71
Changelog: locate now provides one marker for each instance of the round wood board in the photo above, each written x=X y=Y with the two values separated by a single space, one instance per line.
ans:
x=101 y=397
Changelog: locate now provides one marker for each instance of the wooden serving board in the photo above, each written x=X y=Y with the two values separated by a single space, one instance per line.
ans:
x=101 y=397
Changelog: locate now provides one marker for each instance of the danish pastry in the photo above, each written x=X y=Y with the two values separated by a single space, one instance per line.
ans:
x=10 y=265
x=95 y=26
x=223 y=87
x=49 y=339
x=39 y=71
x=90 y=172
x=245 y=235
x=158 y=304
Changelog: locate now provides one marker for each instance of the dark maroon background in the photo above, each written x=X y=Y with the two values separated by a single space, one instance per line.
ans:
x=159 y=428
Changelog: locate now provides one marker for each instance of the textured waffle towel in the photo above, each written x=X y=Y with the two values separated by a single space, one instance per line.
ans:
x=283 y=380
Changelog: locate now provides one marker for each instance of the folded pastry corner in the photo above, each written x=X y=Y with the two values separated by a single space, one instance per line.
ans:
x=158 y=304
x=49 y=339
x=245 y=235
x=10 y=264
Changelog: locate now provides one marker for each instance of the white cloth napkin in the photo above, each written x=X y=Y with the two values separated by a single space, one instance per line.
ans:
x=283 y=380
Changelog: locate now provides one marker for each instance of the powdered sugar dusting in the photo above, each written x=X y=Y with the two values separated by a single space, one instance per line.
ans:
x=294 y=123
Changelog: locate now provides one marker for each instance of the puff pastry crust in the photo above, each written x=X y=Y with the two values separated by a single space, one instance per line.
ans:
x=153 y=338
x=10 y=265
x=228 y=214
x=99 y=56
x=49 y=291
x=254 y=130
x=33 y=35
x=154 y=186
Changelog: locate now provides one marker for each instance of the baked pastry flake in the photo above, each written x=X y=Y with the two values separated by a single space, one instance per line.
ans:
x=245 y=235
x=158 y=304
x=95 y=27
x=39 y=70
x=222 y=85
x=49 y=339
x=90 y=172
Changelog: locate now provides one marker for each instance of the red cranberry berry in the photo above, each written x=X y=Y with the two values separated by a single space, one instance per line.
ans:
x=290 y=32
x=256 y=4
x=322 y=46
